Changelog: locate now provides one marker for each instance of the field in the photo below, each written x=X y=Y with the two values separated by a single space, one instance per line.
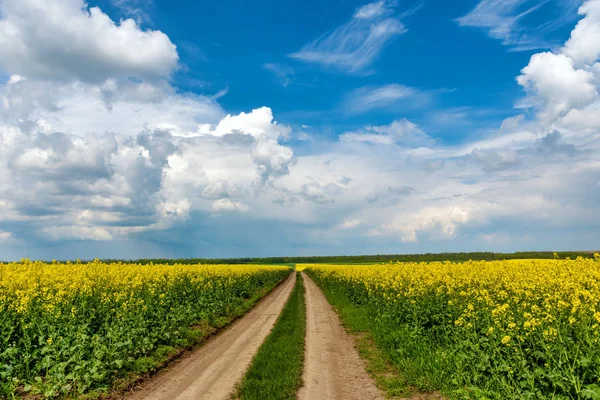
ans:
x=75 y=328
x=490 y=329
x=525 y=329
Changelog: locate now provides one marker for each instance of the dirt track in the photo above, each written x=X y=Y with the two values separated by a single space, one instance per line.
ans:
x=211 y=372
x=332 y=367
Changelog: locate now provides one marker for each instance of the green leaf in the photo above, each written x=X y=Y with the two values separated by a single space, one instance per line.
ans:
x=591 y=392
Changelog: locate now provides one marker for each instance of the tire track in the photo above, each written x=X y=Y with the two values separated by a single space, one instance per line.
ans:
x=332 y=367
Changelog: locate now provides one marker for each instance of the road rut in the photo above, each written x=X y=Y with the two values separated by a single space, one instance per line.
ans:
x=211 y=372
x=332 y=367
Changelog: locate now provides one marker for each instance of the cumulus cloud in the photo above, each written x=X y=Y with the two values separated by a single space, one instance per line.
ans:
x=229 y=205
x=564 y=85
x=107 y=159
x=34 y=37
x=557 y=84
x=445 y=220
x=584 y=45
x=85 y=151
x=256 y=123
x=402 y=132
x=125 y=108
x=271 y=159
x=494 y=160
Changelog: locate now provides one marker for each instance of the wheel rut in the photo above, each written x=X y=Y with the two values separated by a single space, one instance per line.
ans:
x=333 y=369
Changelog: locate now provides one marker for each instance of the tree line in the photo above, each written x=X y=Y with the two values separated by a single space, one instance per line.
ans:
x=427 y=257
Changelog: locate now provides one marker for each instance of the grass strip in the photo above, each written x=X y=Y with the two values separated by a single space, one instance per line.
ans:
x=358 y=323
x=276 y=371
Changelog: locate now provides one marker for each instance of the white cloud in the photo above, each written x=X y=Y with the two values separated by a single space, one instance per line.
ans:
x=256 y=123
x=554 y=80
x=445 y=219
x=349 y=224
x=512 y=123
x=380 y=97
x=5 y=235
x=503 y=20
x=271 y=159
x=34 y=36
x=77 y=233
x=353 y=46
x=283 y=73
x=564 y=85
x=373 y=10
x=320 y=193
x=402 y=132
x=135 y=9
x=494 y=160
x=108 y=186
x=229 y=205
x=14 y=79
x=121 y=107
x=584 y=45
x=585 y=120
x=111 y=160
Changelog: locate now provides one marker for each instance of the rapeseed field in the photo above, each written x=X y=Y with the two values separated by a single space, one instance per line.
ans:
x=527 y=329
x=68 y=328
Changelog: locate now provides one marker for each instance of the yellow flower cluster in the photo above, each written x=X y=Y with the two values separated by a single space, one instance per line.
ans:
x=81 y=324
x=510 y=298
x=53 y=284
x=489 y=314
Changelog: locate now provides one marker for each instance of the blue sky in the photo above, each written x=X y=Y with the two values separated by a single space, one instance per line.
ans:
x=135 y=128
x=223 y=44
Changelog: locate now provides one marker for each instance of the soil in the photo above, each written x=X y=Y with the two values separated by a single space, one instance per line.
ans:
x=333 y=368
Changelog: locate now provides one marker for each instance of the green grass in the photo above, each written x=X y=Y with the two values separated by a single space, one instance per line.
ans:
x=276 y=371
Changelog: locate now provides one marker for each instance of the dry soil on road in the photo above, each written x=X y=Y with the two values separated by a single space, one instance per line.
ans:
x=211 y=372
x=333 y=368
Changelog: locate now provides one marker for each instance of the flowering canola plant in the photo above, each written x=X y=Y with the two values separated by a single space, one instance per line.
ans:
x=501 y=329
x=71 y=327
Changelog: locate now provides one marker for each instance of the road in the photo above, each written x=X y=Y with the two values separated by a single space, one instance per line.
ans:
x=333 y=368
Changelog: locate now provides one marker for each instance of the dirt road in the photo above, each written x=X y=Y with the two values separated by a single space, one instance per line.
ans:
x=211 y=372
x=332 y=367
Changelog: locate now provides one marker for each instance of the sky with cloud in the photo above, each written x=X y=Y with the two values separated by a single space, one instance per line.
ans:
x=155 y=128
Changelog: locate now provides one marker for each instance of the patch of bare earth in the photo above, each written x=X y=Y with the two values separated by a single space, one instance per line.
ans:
x=332 y=367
